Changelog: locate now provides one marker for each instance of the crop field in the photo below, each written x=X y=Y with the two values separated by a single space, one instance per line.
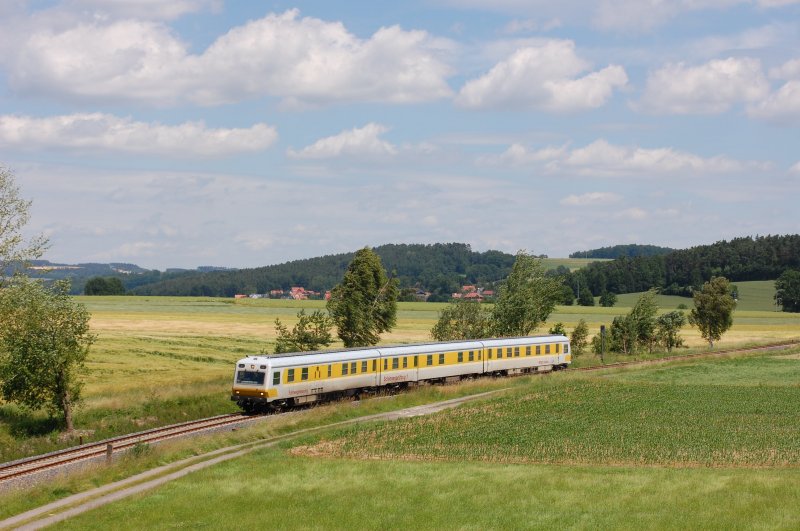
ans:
x=159 y=360
x=703 y=444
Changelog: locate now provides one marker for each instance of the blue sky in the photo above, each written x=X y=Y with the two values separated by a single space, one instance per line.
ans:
x=205 y=132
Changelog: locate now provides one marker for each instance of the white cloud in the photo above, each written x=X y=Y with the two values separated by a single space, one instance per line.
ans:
x=601 y=158
x=795 y=168
x=543 y=77
x=710 y=88
x=782 y=106
x=363 y=141
x=147 y=9
x=634 y=213
x=788 y=70
x=591 y=198
x=302 y=60
x=105 y=132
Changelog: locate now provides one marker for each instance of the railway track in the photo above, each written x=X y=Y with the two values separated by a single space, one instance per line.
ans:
x=109 y=447
x=28 y=466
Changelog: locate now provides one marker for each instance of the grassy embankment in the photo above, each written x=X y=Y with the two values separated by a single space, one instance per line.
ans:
x=160 y=360
x=702 y=444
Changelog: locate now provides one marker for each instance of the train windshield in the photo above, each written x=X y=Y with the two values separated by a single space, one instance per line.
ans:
x=250 y=377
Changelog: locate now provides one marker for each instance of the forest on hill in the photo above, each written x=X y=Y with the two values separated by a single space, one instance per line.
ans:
x=440 y=268
x=679 y=272
x=616 y=251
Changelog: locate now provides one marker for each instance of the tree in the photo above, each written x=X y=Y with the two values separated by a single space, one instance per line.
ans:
x=14 y=215
x=622 y=335
x=668 y=327
x=44 y=340
x=526 y=298
x=558 y=330
x=462 y=319
x=579 y=337
x=643 y=317
x=312 y=332
x=567 y=295
x=364 y=305
x=787 y=290
x=713 y=309
x=586 y=298
x=607 y=299
x=104 y=286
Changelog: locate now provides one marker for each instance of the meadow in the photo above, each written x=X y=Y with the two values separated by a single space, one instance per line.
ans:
x=159 y=360
x=702 y=444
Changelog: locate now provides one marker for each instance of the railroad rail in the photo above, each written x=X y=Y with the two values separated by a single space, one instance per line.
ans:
x=108 y=447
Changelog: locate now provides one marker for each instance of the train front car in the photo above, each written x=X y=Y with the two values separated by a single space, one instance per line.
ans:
x=251 y=384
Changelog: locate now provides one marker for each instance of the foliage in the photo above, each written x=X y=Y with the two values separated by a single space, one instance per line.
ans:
x=567 y=295
x=364 y=305
x=637 y=328
x=462 y=319
x=787 y=292
x=558 y=330
x=608 y=299
x=579 y=338
x=681 y=272
x=586 y=298
x=312 y=332
x=668 y=327
x=104 y=286
x=439 y=268
x=617 y=251
x=14 y=215
x=44 y=340
x=526 y=298
x=713 y=309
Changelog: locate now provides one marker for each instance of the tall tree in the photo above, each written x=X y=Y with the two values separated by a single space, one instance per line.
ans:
x=462 y=319
x=14 y=215
x=526 y=298
x=44 y=340
x=364 y=305
x=787 y=290
x=713 y=311
x=668 y=327
x=312 y=332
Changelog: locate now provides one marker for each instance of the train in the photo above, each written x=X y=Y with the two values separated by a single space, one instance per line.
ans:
x=268 y=383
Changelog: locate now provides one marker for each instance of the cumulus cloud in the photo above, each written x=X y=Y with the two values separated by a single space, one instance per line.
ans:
x=710 y=88
x=147 y=9
x=591 y=198
x=783 y=106
x=633 y=213
x=601 y=158
x=543 y=77
x=304 y=61
x=363 y=141
x=105 y=132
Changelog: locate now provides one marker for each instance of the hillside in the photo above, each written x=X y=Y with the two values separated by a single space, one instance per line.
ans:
x=439 y=268
x=629 y=250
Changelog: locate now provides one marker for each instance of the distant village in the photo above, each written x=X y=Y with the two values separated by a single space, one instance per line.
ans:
x=299 y=293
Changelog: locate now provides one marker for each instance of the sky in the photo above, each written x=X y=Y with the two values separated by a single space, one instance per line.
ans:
x=240 y=134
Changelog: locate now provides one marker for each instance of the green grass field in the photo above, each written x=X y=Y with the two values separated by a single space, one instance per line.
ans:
x=160 y=360
x=706 y=444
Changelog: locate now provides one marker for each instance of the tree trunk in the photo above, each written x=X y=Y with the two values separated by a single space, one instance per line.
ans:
x=66 y=407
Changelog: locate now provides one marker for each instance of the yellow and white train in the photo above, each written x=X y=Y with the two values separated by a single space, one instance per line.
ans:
x=274 y=382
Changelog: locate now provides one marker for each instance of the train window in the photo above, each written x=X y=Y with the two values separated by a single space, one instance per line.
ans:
x=479 y=355
x=304 y=373
x=430 y=360
x=538 y=349
x=508 y=352
x=330 y=370
x=460 y=357
x=500 y=353
x=250 y=377
x=416 y=361
x=385 y=363
x=395 y=363
x=354 y=367
x=556 y=345
x=405 y=362
x=441 y=359
x=276 y=378
x=290 y=375
x=489 y=353
x=547 y=349
x=566 y=348
x=471 y=355
x=344 y=369
x=364 y=366
x=516 y=352
x=374 y=365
